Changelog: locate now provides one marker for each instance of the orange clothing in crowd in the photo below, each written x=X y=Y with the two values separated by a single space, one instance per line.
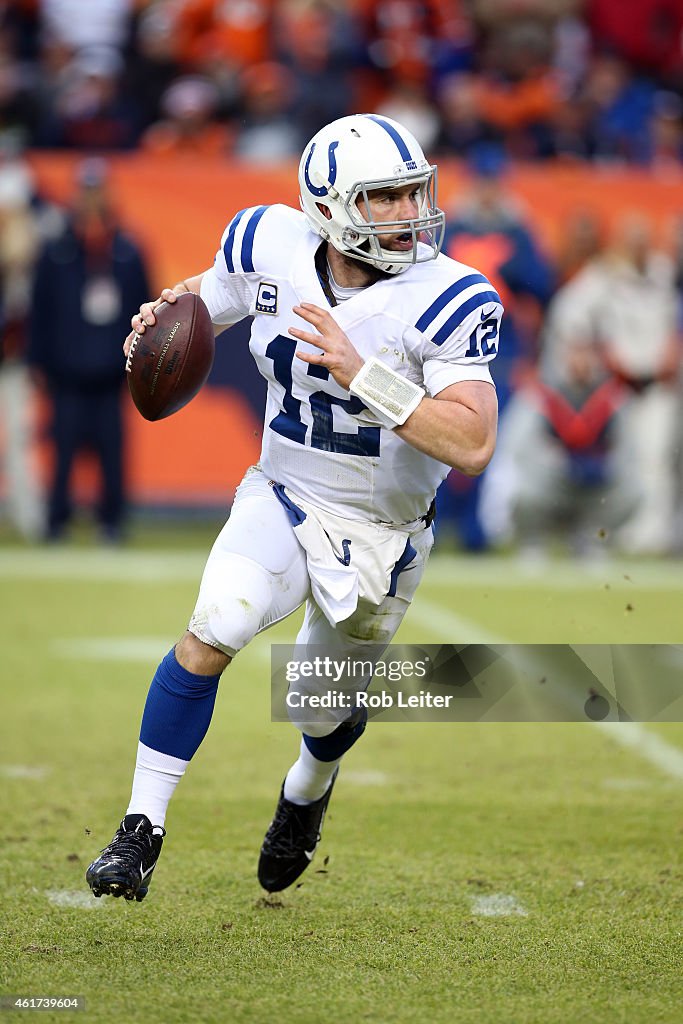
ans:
x=167 y=139
x=405 y=27
x=514 y=106
x=238 y=32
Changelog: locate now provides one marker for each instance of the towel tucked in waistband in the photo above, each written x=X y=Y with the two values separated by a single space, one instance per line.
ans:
x=347 y=560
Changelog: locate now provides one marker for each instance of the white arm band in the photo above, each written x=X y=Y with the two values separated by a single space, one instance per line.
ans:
x=391 y=396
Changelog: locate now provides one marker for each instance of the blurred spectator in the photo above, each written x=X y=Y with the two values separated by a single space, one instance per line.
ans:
x=87 y=281
x=91 y=111
x=462 y=125
x=153 y=63
x=412 y=41
x=398 y=34
x=317 y=41
x=664 y=151
x=491 y=11
x=83 y=23
x=579 y=79
x=518 y=93
x=616 y=116
x=675 y=244
x=581 y=242
x=267 y=132
x=18 y=245
x=452 y=46
x=627 y=299
x=408 y=103
x=676 y=240
x=563 y=464
x=236 y=32
x=19 y=96
x=617 y=109
x=571 y=52
x=646 y=33
x=19 y=28
x=188 y=126
x=486 y=229
x=54 y=72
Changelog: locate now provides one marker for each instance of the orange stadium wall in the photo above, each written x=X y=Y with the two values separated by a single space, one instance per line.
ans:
x=177 y=211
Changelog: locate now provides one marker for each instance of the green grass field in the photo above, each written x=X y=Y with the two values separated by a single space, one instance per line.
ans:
x=497 y=873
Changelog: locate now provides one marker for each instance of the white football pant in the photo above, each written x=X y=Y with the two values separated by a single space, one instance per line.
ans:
x=256 y=575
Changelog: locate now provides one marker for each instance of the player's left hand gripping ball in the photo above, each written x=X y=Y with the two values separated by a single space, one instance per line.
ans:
x=171 y=361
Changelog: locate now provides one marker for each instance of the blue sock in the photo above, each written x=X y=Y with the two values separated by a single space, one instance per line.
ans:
x=178 y=709
x=334 y=746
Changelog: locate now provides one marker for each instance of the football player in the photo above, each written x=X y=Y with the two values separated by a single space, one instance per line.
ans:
x=375 y=348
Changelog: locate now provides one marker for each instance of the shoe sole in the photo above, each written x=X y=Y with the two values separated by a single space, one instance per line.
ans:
x=115 y=887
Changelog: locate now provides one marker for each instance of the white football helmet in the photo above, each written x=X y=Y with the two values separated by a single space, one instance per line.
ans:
x=345 y=161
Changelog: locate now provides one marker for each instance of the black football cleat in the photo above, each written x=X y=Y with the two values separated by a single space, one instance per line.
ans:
x=125 y=867
x=291 y=840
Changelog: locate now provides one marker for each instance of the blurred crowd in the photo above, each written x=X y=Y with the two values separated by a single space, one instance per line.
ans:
x=69 y=279
x=589 y=378
x=581 y=80
x=590 y=371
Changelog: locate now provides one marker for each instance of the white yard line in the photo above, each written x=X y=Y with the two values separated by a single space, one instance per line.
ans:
x=113 y=648
x=489 y=571
x=497 y=573
x=451 y=627
x=366 y=778
x=632 y=735
x=23 y=771
x=136 y=648
x=105 y=566
x=437 y=621
x=74 y=898
x=498 y=904
x=628 y=784
x=648 y=745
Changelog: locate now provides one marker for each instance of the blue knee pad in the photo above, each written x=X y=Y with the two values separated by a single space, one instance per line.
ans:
x=178 y=709
x=335 y=745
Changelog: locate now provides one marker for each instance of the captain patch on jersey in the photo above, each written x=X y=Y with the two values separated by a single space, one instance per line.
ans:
x=266 y=299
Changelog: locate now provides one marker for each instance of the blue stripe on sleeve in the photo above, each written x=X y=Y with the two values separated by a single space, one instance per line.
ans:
x=248 y=240
x=230 y=240
x=450 y=293
x=461 y=312
x=398 y=139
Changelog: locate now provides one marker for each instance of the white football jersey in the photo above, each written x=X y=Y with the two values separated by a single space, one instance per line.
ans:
x=437 y=323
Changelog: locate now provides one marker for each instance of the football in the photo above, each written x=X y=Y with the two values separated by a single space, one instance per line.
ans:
x=170 y=362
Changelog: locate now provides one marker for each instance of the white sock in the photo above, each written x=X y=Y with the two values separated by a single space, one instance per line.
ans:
x=308 y=778
x=156 y=777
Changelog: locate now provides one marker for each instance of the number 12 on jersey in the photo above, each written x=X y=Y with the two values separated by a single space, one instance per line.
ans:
x=288 y=422
x=485 y=344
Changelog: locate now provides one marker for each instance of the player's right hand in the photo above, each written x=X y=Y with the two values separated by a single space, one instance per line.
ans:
x=145 y=317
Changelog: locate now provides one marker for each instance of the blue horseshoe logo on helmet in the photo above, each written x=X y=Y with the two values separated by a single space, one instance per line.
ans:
x=331 y=173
